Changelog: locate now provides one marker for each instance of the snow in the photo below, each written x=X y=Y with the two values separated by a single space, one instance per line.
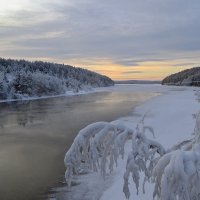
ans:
x=20 y=79
x=170 y=115
x=67 y=93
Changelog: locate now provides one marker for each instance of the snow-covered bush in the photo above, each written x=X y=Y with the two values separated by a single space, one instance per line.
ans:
x=94 y=147
x=175 y=173
x=143 y=157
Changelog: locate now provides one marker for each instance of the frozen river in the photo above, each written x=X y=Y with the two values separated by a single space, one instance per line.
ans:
x=35 y=135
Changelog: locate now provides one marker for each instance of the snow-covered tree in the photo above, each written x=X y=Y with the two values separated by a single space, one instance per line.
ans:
x=20 y=78
x=189 y=77
x=175 y=173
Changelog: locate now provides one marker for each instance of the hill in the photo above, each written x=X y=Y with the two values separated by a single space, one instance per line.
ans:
x=138 y=82
x=188 y=77
x=23 y=79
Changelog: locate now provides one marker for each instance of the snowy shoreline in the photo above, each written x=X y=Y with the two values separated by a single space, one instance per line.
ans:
x=67 y=94
x=171 y=116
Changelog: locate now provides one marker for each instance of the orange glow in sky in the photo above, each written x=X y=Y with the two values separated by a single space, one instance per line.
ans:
x=145 y=71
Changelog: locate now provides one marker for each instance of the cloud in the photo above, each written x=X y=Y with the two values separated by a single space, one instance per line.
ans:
x=185 y=64
x=127 y=33
x=132 y=72
x=128 y=63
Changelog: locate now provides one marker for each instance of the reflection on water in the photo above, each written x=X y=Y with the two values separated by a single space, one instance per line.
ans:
x=35 y=135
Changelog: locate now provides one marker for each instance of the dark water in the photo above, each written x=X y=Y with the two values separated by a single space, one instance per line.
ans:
x=35 y=135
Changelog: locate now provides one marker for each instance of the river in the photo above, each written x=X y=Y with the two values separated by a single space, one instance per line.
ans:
x=34 y=136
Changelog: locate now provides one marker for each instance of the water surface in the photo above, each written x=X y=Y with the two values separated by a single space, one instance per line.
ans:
x=35 y=135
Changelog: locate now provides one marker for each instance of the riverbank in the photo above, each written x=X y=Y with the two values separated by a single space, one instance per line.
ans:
x=66 y=94
x=171 y=116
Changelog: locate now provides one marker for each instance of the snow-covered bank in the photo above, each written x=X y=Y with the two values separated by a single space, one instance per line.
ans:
x=171 y=117
x=66 y=94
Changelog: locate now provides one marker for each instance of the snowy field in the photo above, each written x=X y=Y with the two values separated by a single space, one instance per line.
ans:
x=171 y=116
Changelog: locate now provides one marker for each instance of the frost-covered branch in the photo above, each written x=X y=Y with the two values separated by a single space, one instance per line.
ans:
x=99 y=145
x=94 y=147
x=175 y=173
x=142 y=158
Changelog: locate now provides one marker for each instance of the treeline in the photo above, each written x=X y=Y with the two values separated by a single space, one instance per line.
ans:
x=138 y=82
x=188 y=77
x=22 y=79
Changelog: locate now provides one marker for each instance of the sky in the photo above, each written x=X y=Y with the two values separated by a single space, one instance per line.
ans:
x=129 y=39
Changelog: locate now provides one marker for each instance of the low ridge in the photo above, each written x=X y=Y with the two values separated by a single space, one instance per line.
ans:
x=188 y=77
x=23 y=79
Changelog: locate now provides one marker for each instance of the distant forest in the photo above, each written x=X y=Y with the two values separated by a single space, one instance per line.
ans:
x=138 y=82
x=188 y=77
x=22 y=79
